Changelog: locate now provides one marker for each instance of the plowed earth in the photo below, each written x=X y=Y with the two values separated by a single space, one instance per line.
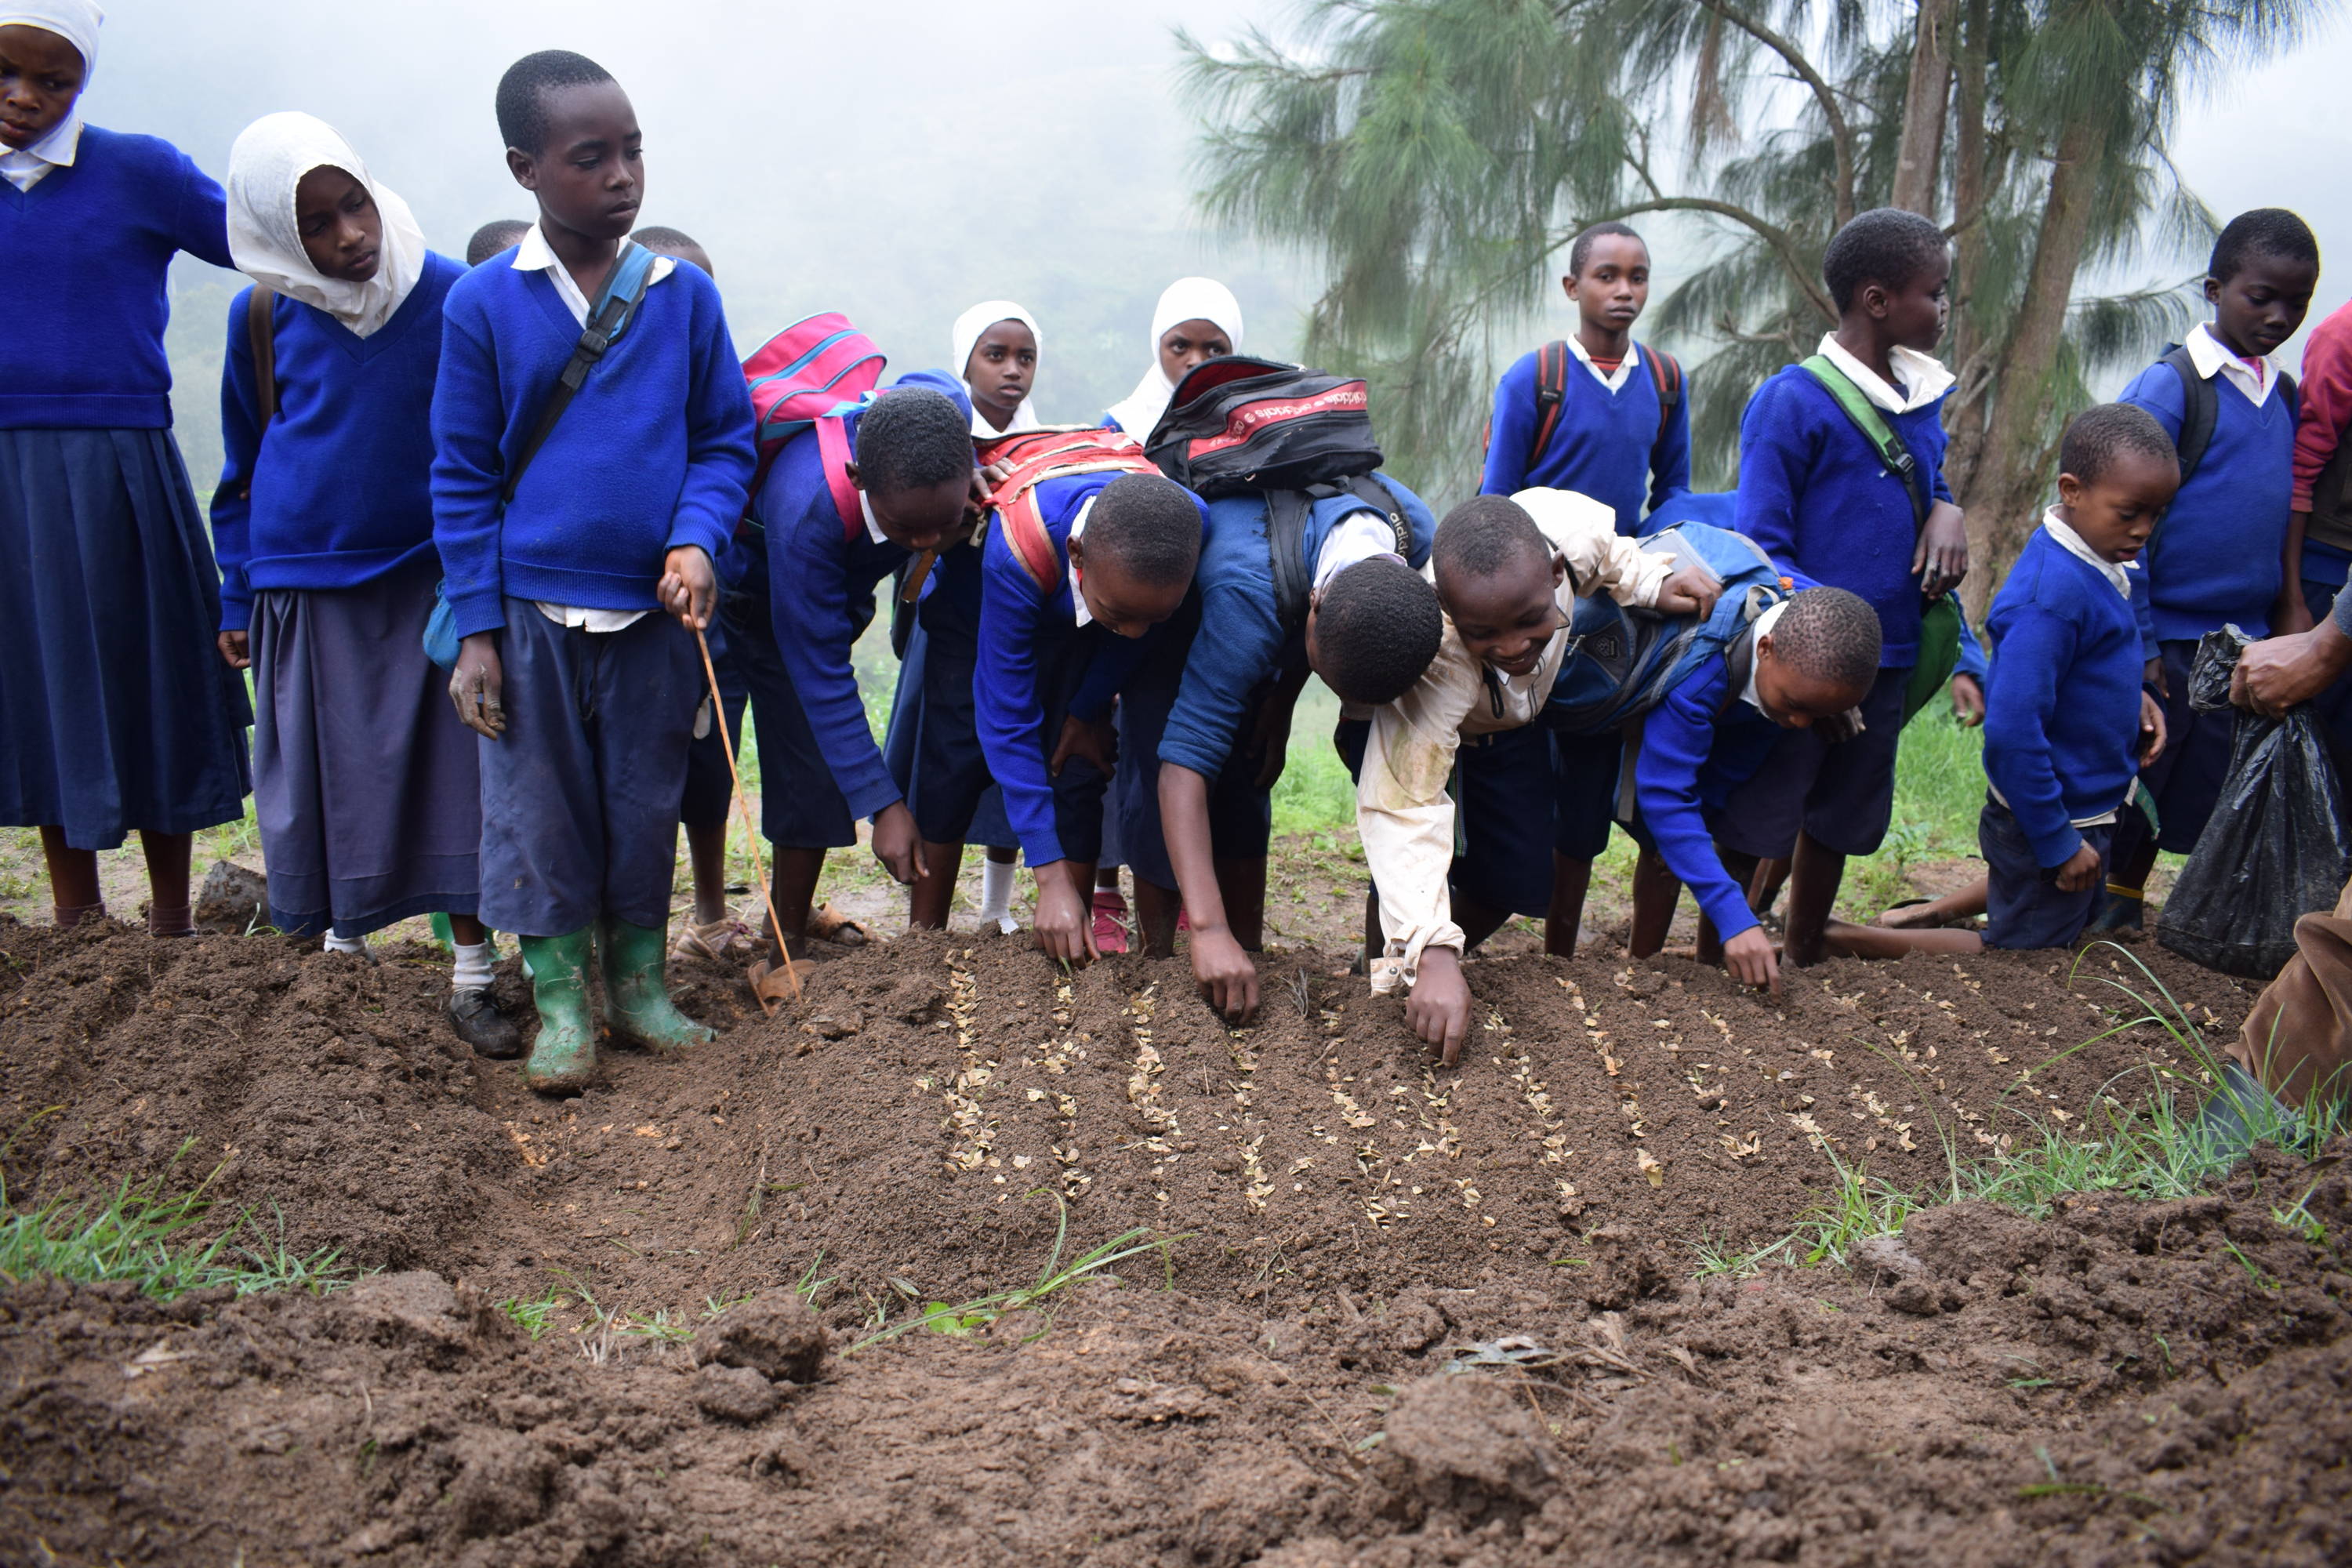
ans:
x=2120 y=1383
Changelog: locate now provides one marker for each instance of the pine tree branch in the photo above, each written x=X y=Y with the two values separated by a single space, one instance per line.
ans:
x=1841 y=132
x=1783 y=245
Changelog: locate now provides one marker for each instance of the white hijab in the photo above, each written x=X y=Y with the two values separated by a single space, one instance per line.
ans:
x=264 y=168
x=75 y=21
x=1186 y=299
x=966 y=333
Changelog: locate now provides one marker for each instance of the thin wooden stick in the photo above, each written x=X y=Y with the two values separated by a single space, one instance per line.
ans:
x=759 y=867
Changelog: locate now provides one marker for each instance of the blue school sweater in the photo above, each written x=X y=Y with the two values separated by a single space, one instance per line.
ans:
x=1015 y=615
x=1813 y=493
x=1603 y=446
x=85 y=255
x=341 y=477
x=1697 y=746
x=656 y=451
x=2215 y=557
x=822 y=569
x=1242 y=643
x=2061 y=715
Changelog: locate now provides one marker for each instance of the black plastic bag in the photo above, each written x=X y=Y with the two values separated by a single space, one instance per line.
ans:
x=2273 y=850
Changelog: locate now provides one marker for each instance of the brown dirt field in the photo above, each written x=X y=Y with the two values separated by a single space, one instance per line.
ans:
x=2122 y=1383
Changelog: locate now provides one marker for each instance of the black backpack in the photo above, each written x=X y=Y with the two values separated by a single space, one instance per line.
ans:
x=2200 y=406
x=1240 y=425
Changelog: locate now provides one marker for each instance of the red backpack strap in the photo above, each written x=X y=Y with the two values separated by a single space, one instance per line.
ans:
x=1551 y=393
x=834 y=456
x=1032 y=544
x=1666 y=375
x=1035 y=457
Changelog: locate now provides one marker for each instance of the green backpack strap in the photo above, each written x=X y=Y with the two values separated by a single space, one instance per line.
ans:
x=1866 y=418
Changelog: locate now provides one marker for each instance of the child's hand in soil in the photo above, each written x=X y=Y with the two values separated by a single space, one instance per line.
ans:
x=1967 y=701
x=1225 y=975
x=688 y=589
x=2080 y=870
x=1096 y=742
x=1439 y=1008
x=897 y=845
x=1752 y=959
x=1066 y=920
x=475 y=686
x=236 y=647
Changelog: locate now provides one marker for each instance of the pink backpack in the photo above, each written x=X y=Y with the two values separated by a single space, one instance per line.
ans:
x=819 y=366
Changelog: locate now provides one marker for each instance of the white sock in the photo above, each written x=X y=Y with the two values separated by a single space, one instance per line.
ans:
x=473 y=971
x=996 y=878
x=354 y=945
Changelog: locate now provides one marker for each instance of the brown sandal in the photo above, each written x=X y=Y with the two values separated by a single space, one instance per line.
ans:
x=716 y=941
x=776 y=984
x=829 y=924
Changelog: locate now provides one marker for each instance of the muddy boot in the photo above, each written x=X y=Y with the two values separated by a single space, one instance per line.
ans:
x=474 y=1015
x=2243 y=1112
x=563 y=1058
x=636 y=997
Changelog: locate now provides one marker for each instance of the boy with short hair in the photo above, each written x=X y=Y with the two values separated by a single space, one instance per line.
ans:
x=2225 y=553
x=1603 y=415
x=1077 y=572
x=500 y=234
x=1507 y=570
x=577 y=556
x=1841 y=481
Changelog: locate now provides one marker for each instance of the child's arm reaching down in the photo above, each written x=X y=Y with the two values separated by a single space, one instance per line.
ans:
x=1676 y=742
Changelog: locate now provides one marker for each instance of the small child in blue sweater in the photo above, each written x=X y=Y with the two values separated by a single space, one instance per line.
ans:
x=1825 y=489
x=369 y=794
x=2221 y=554
x=1619 y=432
x=118 y=717
x=2068 y=721
x=578 y=561
x=1076 y=573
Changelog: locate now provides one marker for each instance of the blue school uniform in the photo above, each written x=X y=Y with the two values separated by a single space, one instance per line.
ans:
x=1698 y=746
x=2061 y=736
x=367 y=789
x=819 y=572
x=580 y=796
x=1039 y=667
x=119 y=713
x=1198 y=697
x=1609 y=443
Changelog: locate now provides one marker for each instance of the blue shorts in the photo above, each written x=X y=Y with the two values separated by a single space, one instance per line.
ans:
x=1502 y=820
x=1584 y=793
x=1241 y=816
x=2026 y=909
x=1841 y=795
x=710 y=783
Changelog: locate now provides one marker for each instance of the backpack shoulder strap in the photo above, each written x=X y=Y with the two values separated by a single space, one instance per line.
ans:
x=1865 y=417
x=1286 y=512
x=1739 y=664
x=834 y=456
x=1666 y=375
x=1374 y=493
x=2200 y=410
x=1551 y=391
x=609 y=315
x=261 y=332
x=1024 y=523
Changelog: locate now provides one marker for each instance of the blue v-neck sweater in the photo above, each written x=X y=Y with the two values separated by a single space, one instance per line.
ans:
x=1608 y=445
x=654 y=452
x=342 y=479
x=84 y=257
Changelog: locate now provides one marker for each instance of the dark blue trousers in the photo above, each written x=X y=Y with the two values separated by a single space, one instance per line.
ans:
x=580 y=796
x=2025 y=908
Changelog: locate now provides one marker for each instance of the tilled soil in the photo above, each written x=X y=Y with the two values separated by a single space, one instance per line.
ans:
x=2121 y=1382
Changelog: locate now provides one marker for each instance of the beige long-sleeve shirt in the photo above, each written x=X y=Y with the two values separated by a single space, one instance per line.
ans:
x=1403 y=812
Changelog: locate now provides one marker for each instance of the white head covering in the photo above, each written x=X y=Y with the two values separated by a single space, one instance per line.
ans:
x=1186 y=299
x=264 y=168
x=75 y=21
x=966 y=333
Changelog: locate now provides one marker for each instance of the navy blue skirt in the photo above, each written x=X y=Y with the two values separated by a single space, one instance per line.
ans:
x=116 y=710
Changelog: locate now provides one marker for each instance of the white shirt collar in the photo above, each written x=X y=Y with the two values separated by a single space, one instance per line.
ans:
x=873 y=526
x=24 y=167
x=1359 y=536
x=533 y=253
x=1077 y=600
x=1613 y=379
x=1924 y=377
x=2213 y=357
x=2073 y=544
x=1764 y=624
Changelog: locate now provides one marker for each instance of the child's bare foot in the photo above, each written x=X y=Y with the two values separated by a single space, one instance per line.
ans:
x=1910 y=915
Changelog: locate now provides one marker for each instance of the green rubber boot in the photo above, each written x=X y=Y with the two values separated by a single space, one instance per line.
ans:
x=563 y=1058
x=636 y=994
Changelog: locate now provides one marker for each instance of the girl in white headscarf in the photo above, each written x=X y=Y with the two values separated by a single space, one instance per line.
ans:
x=995 y=347
x=1197 y=319
x=368 y=797
x=116 y=720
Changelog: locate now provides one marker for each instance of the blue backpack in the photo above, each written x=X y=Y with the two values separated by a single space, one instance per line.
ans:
x=1622 y=662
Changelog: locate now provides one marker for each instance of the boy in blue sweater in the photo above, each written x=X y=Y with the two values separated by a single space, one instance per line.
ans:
x=1205 y=727
x=1861 y=509
x=902 y=472
x=1619 y=431
x=2221 y=554
x=2068 y=723
x=577 y=562
x=1076 y=573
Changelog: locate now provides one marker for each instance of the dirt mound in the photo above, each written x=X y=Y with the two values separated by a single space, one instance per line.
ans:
x=1409 y=1317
